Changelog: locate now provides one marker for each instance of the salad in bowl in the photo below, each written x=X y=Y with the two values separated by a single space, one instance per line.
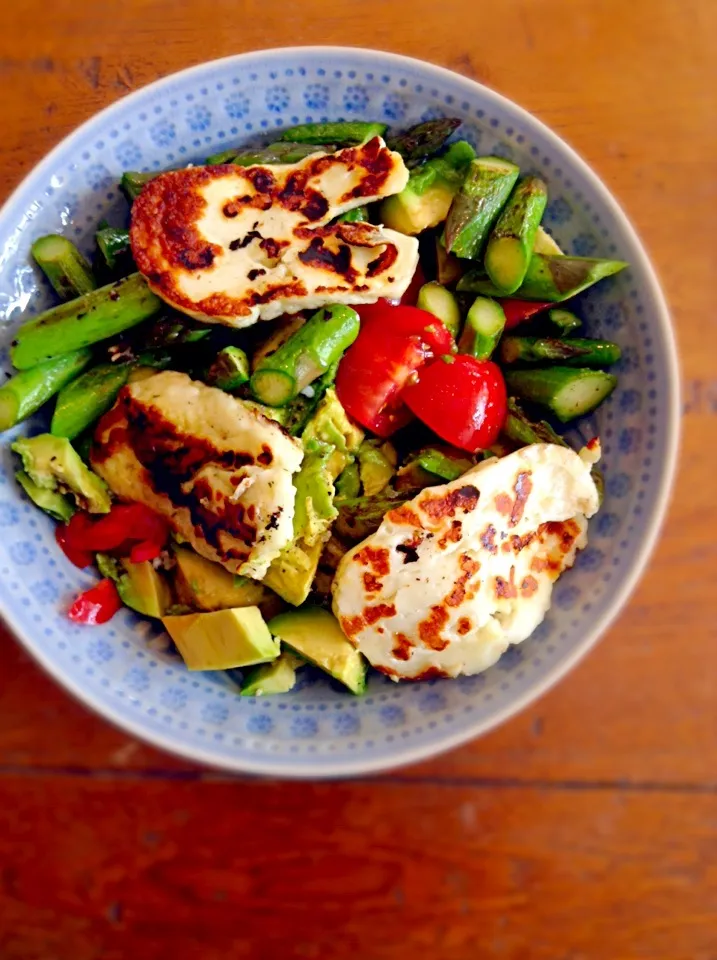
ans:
x=307 y=408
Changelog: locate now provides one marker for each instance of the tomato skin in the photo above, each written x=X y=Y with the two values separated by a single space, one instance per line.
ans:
x=518 y=311
x=127 y=527
x=461 y=399
x=96 y=605
x=394 y=343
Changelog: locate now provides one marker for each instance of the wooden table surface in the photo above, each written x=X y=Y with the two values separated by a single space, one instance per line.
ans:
x=584 y=828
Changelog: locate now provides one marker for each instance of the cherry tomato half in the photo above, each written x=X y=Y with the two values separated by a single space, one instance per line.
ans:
x=97 y=605
x=394 y=342
x=462 y=399
x=518 y=311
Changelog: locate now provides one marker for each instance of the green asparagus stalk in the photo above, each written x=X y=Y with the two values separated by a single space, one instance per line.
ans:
x=229 y=370
x=572 y=353
x=477 y=204
x=224 y=156
x=348 y=483
x=64 y=266
x=485 y=322
x=132 y=184
x=96 y=316
x=522 y=430
x=564 y=320
x=306 y=355
x=449 y=269
x=439 y=301
x=27 y=391
x=446 y=466
x=280 y=152
x=510 y=245
x=113 y=243
x=51 y=501
x=361 y=517
x=422 y=141
x=84 y=400
x=357 y=215
x=567 y=391
x=551 y=278
x=171 y=331
x=344 y=133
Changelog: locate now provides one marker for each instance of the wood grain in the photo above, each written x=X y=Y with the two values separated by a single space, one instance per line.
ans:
x=586 y=827
x=344 y=871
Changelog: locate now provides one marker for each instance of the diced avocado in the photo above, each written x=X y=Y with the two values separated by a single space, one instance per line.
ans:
x=331 y=425
x=50 y=501
x=426 y=199
x=276 y=677
x=52 y=463
x=314 y=509
x=445 y=463
x=222 y=640
x=139 y=585
x=293 y=571
x=376 y=466
x=315 y=634
x=207 y=586
x=348 y=483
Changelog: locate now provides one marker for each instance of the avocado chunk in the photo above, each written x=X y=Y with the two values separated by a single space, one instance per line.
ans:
x=207 y=586
x=377 y=465
x=139 y=585
x=276 y=677
x=315 y=634
x=52 y=463
x=223 y=639
x=427 y=197
x=52 y=502
x=331 y=425
x=293 y=571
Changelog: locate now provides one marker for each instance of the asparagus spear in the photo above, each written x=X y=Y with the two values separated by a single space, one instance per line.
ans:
x=448 y=267
x=113 y=243
x=362 y=516
x=27 y=391
x=132 y=184
x=51 y=501
x=522 y=430
x=343 y=133
x=84 y=400
x=477 y=204
x=423 y=140
x=567 y=391
x=280 y=152
x=445 y=466
x=306 y=355
x=171 y=331
x=439 y=301
x=549 y=278
x=485 y=322
x=225 y=156
x=564 y=320
x=510 y=245
x=357 y=215
x=573 y=353
x=96 y=316
x=229 y=370
x=64 y=266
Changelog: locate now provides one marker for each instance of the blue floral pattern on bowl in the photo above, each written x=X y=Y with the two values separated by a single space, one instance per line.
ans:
x=125 y=669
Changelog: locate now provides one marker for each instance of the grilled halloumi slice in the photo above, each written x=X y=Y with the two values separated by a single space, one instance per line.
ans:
x=234 y=245
x=219 y=471
x=455 y=576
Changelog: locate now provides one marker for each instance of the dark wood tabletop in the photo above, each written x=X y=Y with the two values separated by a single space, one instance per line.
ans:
x=584 y=828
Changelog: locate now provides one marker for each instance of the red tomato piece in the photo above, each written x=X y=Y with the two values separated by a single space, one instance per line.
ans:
x=97 y=605
x=394 y=342
x=65 y=534
x=146 y=550
x=518 y=311
x=462 y=399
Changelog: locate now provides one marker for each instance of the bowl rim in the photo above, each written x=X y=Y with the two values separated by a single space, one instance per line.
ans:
x=305 y=769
